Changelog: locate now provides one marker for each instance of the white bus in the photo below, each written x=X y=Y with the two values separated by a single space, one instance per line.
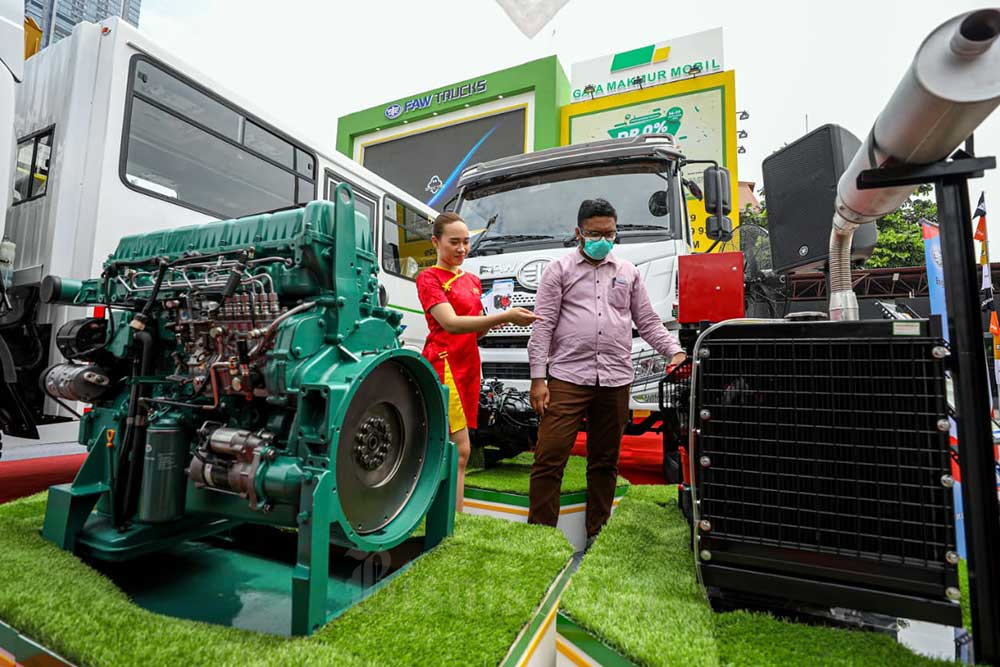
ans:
x=115 y=136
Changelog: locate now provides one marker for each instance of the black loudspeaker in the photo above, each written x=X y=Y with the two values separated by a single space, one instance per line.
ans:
x=800 y=186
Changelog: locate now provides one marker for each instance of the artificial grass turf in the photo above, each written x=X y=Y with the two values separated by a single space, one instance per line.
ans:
x=463 y=603
x=514 y=475
x=746 y=638
x=965 y=600
x=637 y=590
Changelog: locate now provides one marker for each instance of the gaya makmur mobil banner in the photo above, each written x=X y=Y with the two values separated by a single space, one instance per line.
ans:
x=648 y=65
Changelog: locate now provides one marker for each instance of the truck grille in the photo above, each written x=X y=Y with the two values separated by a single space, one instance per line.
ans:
x=506 y=371
x=820 y=459
x=503 y=342
x=511 y=330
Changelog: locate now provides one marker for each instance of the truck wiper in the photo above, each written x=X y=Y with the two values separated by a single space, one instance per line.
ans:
x=514 y=238
x=482 y=235
x=507 y=238
x=629 y=228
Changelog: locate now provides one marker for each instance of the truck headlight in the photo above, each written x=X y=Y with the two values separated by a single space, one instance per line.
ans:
x=648 y=366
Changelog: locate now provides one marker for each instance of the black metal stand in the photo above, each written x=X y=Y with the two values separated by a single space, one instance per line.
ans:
x=972 y=397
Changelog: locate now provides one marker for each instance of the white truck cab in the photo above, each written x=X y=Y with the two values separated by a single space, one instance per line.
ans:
x=526 y=206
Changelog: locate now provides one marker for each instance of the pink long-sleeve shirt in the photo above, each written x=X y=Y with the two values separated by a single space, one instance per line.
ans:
x=585 y=336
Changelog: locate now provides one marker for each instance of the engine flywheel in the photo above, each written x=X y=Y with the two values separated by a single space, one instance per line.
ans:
x=383 y=447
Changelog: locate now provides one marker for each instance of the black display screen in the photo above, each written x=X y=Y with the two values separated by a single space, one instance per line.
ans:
x=427 y=164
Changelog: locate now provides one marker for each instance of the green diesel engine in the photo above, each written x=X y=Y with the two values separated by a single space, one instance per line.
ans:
x=246 y=371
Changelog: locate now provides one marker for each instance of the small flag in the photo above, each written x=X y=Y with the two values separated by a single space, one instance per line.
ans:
x=986 y=290
x=980 y=213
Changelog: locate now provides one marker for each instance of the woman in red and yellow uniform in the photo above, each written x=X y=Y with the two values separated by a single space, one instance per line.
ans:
x=451 y=300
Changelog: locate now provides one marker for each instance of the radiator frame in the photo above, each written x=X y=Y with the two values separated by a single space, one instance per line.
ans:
x=784 y=576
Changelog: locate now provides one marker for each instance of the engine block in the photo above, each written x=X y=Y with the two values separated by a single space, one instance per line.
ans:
x=245 y=371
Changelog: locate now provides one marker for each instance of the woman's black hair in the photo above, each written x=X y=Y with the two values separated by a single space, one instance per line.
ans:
x=443 y=221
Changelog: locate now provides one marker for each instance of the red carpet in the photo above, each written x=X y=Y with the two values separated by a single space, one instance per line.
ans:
x=23 y=478
x=640 y=460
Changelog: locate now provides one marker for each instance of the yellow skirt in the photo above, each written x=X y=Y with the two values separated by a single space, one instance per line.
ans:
x=456 y=414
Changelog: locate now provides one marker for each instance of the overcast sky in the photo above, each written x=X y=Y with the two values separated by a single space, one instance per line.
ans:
x=309 y=61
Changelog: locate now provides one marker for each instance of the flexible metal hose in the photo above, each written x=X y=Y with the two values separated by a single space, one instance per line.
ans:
x=843 y=301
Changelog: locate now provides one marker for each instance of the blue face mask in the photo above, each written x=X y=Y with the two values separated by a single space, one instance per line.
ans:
x=597 y=248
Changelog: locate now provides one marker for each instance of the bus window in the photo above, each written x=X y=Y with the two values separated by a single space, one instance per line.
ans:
x=22 y=175
x=364 y=203
x=304 y=163
x=31 y=171
x=406 y=240
x=268 y=145
x=156 y=85
x=305 y=194
x=184 y=145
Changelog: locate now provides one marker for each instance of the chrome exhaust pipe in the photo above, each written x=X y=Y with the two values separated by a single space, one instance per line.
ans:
x=951 y=86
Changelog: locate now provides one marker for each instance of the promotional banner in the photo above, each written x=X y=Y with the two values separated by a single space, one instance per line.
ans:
x=533 y=91
x=935 y=272
x=700 y=114
x=935 y=289
x=650 y=65
x=427 y=164
x=694 y=119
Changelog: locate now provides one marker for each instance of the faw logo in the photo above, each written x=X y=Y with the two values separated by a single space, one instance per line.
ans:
x=434 y=184
x=530 y=275
x=496 y=269
x=392 y=111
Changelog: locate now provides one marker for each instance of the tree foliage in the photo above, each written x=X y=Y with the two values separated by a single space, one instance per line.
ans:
x=900 y=239
x=748 y=216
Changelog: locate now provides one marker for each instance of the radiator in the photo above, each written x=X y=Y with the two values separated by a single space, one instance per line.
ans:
x=821 y=466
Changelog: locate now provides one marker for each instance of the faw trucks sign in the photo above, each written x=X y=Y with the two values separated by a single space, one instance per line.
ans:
x=650 y=65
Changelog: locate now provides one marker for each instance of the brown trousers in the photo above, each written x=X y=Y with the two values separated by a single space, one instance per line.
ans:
x=606 y=411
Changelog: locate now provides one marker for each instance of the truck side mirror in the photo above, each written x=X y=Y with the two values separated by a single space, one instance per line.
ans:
x=659 y=204
x=693 y=188
x=719 y=228
x=718 y=194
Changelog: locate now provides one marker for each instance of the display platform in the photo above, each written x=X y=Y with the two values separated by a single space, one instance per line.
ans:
x=502 y=492
x=635 y=599
x=446 y=608
x=243 y=578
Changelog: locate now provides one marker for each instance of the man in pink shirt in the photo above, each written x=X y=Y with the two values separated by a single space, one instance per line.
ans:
x=588 y=301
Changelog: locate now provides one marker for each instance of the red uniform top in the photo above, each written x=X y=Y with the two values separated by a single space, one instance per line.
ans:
x=454 y=356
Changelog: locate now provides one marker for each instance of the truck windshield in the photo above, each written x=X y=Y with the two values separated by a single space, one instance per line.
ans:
x=540 y=211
